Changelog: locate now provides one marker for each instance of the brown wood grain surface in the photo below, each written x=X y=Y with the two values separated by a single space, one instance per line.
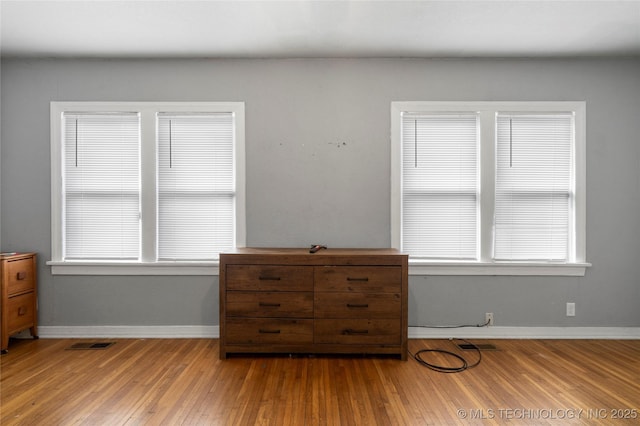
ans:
x=183 y=382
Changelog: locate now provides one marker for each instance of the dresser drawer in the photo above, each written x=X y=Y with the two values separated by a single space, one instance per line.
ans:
x=357 y=331
x=20 y=312
x=269 y=304
x=269 y=278
x=20 y=276
x=357 y=305
x=269 y=331
x=376 y=279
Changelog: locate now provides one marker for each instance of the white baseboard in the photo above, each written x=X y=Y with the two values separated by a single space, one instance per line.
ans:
x=213 y=331
x=130 y=332
x=525 y=333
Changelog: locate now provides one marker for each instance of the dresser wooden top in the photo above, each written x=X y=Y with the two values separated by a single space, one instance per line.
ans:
x=301 y=256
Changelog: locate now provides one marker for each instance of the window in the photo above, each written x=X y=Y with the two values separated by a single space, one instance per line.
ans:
x=534 y=190
x=195 y=185
x=440 y=185
x=489 y=187
x=146 y=188
x=101 y=185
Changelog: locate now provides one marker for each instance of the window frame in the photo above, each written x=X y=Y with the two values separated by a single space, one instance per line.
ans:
x=485 y=265
x=147 y=264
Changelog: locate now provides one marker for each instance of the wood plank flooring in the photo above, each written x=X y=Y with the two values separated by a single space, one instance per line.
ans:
x=182 y=382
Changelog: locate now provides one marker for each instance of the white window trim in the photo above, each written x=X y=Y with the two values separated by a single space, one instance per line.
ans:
x=485 y=265
x=147 y=265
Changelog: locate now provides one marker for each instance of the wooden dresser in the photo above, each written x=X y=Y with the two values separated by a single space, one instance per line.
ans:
x=19 y=298
x=338 y=301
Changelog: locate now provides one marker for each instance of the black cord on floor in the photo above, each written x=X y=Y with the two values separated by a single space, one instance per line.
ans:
x=464 y=365
x=452 y=326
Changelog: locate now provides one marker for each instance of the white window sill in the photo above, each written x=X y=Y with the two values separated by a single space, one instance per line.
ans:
x=133 y=268
x=423 y=267
x=416 y=267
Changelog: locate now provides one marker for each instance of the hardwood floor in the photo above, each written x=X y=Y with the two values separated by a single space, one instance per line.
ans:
x=182 y=382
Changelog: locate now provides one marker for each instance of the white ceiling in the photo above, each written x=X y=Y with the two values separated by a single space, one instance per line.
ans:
x=301 y=28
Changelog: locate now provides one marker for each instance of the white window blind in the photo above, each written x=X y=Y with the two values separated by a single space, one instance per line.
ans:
x=196 y=185
x=440 y=185
x=101 y=185
x=534 y=189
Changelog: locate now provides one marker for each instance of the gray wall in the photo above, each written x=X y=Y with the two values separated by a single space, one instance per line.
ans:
x=317 y=139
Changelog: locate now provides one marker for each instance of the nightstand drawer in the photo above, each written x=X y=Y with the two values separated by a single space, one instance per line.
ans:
x=20 y=276
x=269 y=331
x=376 y=279
x=357 y=305
x=357 y=331
x=20 y=312
x=270 y=304
x=269 y=278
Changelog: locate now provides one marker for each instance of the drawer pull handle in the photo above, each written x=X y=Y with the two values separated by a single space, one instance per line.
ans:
x=267 y=278
x=21 y=275
x=22 y=311
x=351 y=331
x=262 y=331
x=357 y=305
x=269 y=305
x=357 y=279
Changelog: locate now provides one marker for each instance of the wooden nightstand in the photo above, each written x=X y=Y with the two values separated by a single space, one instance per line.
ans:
x=19 y=296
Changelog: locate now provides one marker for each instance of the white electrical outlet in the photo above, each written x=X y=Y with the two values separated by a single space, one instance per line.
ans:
x=571 y=309
x=488 y=318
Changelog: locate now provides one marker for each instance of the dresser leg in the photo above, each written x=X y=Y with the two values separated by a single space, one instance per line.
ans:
x=5 y=344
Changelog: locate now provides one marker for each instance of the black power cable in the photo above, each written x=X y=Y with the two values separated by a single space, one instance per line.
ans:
x=464 y=365
x=453 y=326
